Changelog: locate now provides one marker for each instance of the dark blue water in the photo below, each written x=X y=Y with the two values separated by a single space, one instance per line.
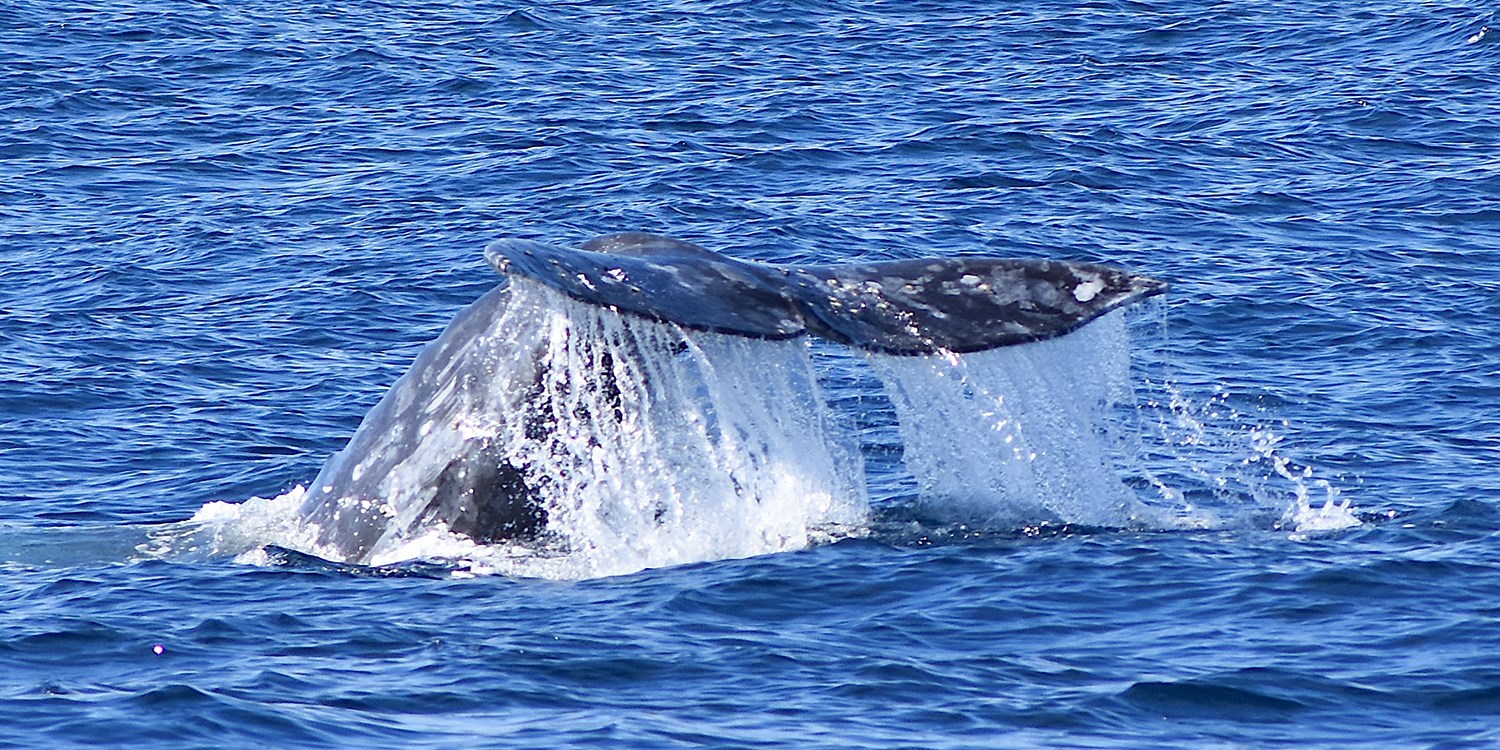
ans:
x=226 y=228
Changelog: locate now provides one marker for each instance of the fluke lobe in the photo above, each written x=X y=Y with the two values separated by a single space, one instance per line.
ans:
x=906 y=307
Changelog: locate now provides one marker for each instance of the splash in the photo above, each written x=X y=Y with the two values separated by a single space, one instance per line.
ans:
x=240 y=530
x=1217 y=466
x=1084 y=430
x=640 y=443
x=652 y=445
x=649 y=445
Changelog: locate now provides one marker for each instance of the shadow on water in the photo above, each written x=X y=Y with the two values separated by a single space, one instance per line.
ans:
x=289 y=559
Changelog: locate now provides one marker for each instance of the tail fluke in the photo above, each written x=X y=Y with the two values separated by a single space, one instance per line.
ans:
x=908 y=307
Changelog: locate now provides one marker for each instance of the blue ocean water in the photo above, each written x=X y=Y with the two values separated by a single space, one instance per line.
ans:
x=227 y=228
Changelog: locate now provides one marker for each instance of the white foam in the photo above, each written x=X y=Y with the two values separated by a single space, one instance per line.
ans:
x=1333 y=515
x=237 y=529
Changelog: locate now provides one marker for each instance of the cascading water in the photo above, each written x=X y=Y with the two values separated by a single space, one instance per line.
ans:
x=650 y=445
x=1022 y=434
x=643 y=444
x=640 y=443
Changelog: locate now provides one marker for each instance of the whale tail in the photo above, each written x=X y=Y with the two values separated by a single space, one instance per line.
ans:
x=578 y=397
x=903 y=307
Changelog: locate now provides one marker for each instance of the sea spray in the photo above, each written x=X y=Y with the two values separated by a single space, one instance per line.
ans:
x=1219 y=460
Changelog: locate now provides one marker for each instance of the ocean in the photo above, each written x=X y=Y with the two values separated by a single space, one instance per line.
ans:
x=226 y=229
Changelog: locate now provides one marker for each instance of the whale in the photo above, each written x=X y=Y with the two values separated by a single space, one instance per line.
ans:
x=454 y=444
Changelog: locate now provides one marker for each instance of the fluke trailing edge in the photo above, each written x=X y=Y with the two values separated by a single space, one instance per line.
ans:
x=897 y=307
x=530 y=407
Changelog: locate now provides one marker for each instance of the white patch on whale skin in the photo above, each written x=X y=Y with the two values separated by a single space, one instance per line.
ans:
x=1089 y=289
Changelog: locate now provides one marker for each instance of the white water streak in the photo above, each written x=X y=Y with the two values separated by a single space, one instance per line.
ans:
x=1021 y=434
x=654 y=446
